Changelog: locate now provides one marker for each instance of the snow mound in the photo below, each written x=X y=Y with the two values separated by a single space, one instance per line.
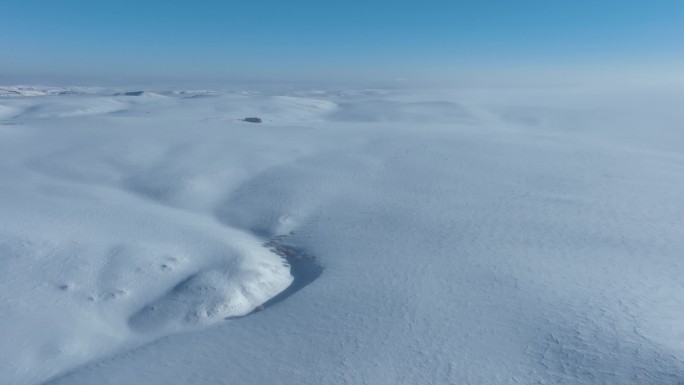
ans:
x=196 y=93
x=7 y=112
x=396 y=111
x=65 y=107
x=37 y=91
x=212 y=295
x=305 y=104
x=148 y=94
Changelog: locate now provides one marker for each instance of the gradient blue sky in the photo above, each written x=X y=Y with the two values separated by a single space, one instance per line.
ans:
x=211 y=39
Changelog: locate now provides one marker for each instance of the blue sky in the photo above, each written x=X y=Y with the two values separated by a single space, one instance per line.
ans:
x=271 y=39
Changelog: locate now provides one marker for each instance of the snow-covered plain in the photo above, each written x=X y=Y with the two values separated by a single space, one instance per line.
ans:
x=471 y=236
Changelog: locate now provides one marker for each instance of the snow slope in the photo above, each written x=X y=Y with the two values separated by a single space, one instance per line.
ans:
x=466 y=236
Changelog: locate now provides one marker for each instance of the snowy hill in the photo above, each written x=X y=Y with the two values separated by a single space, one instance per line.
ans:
x=445 y=237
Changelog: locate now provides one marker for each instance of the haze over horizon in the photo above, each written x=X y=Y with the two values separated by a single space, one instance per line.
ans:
x=211 y=41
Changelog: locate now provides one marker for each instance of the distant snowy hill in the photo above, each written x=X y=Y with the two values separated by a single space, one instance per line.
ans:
x=37 y=91
x=479 y=236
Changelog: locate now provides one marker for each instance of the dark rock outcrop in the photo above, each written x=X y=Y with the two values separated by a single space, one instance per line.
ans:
x=252 y=120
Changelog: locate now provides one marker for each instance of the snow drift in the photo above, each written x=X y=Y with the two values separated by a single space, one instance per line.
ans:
x=467 y=236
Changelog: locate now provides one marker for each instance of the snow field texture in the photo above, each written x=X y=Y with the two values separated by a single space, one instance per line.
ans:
x=474 y=236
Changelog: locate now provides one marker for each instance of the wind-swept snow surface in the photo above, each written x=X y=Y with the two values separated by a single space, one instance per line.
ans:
x=463 y=237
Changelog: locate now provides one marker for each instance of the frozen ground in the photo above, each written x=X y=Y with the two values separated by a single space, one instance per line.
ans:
x=475 y=236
